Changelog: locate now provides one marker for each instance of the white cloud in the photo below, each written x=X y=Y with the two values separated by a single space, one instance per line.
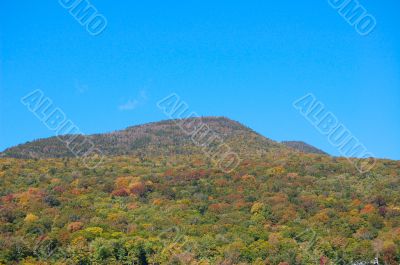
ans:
x=132 y=104
x=80 y=88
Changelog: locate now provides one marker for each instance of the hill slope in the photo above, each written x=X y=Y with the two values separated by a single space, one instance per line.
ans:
x=159 y=138
x=281 y=206
x=304 y=147
x=185 y=210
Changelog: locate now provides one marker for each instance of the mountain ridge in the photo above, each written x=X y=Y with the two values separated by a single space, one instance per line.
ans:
x=166 y=137
x=304 y=147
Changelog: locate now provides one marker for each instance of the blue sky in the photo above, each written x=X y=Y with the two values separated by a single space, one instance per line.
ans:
x=247 y=60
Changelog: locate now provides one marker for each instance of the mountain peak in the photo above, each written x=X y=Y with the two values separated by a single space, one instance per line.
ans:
x=168 y=137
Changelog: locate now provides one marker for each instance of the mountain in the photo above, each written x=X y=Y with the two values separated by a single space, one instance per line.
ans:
x=158 y=138
x=304 y=147
x=168 y=203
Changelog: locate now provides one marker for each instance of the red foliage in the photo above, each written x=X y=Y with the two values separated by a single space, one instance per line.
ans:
x=59 y=189
x=169 y=172
x=8 y=198
x=138 y=188
x=230 y=198
x=218 y=207
x=323 y=260
x=189 y=175
x=121 y=193
x=35 y=192
x=241 y=204
x=382 y=211
x=389 y=255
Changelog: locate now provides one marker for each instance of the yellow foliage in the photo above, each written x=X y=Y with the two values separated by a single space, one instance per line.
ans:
x=274 y=239
x=122 y=182
x=117 y=234
x=24 y=198
x=30 y=218
x=277 y=170
x=30 y=261
x=94 y=230
x=148 y=226
x=113 y=216
x=184 y=201
x=75 y=183
x=149 y=183
x=257 y=207
x=322 y=217
x=79 y=241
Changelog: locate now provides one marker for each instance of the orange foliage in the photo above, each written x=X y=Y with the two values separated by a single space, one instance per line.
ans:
x=218 y=207
x=76 y=191
x=75 y=226
x=120 y=193
x=292 y=175
x=233 y=197
x=169 y=172
x=322 y=217
x=369 y=208
x=277 y=199
x=339 y=242
x=132 y=206
x=248 y=178
x=241 y=204
x=356 y=202
x=122 y=182
x=354 y=220
x=289 y=214
x=137 y=188
x=157 y=202
x=35 y=191
x=221 y=182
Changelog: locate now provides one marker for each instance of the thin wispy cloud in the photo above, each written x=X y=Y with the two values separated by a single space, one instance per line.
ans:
x=132 y=104
x=80 y=88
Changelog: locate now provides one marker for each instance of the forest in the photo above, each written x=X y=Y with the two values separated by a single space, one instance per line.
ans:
x=279 y=208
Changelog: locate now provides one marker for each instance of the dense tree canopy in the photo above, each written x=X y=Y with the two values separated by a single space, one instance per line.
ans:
x=283 y=208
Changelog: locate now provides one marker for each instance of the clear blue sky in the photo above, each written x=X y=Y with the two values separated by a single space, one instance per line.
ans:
x=247 y=60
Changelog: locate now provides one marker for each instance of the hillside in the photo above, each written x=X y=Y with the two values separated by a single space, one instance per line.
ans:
x=304 y=147
x=158 y=199
x=278 y=209
x=158 y=138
